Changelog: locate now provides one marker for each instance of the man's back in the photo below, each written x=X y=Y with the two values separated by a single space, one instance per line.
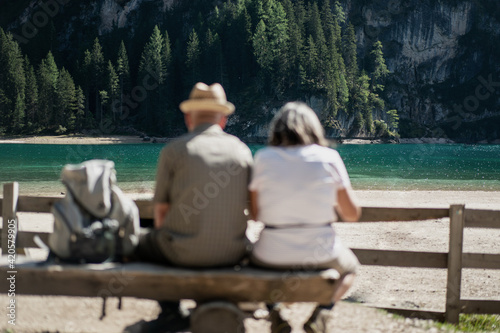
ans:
x=203 y=176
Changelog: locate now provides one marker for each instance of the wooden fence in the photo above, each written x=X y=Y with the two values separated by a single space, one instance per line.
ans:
x=453 y=261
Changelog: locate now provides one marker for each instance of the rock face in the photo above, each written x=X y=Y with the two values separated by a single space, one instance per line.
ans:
x=440 y=54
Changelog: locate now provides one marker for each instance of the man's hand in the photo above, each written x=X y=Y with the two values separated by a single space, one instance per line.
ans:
x=160 y=212
x=254 y=209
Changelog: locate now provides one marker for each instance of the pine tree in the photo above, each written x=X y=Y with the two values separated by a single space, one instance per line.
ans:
x=331 y=59
x=360 y=99
x=295 y=44
x=93 y=74
x=31 y=99
x=312 y=65
x=278 y=30
x=152 y=58
x=350 y=56
x=378 y=74
x=234 y=62
x=393 y=119
x=379 y=68
x=193 y=58
x=315 y=25
x=79 y=109
x=64 y=112
x=270 y=43
x=5 y=101
x=163 y=112
x=152 y=69
x=262 y=46
x=339 y=13
x=47 y=84
x=18 y=114
x=123 y=73
x=12 y=84
x=211 y=58
x=167 y=52
x=113 y=89
x=87 y=86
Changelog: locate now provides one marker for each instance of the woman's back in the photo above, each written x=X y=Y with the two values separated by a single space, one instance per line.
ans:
x=298 y=185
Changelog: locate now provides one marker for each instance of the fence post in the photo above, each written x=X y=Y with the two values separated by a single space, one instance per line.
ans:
x=9 y=212
x=457 y=219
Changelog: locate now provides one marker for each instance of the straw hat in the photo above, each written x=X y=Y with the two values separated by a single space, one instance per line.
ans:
x=207 y=98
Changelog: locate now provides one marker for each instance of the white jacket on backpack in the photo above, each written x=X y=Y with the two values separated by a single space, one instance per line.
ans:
x=93 y=202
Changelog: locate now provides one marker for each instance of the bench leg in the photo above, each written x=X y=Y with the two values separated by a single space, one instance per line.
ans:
x=217 y=317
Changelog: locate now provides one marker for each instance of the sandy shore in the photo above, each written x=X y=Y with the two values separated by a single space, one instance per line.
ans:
x=375 y=286
x=74 y=139
x=113 y=139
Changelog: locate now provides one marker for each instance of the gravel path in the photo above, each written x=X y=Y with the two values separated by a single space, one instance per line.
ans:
x=375 y=286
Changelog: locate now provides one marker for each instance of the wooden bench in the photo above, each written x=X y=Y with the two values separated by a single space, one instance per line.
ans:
x=217 y=289
x=247 y=284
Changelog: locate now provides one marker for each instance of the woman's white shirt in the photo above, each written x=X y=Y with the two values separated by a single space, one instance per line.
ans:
x=297 y=190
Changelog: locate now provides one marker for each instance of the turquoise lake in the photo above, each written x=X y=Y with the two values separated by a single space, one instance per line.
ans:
x=376 y=166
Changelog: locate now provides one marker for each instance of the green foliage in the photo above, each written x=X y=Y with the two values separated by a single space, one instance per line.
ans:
x=350 y=55
x=379 y=67
x=279 y=49
x=359 y=122
x=60 y=130
x=381 y=129
x=339 y=13
x=479 y=323
x=31 y=98
x=153 y=74
x=473 y=323
x=64 y=112
x=12 y=84
x=393 y=119
x=47 y=85
x=193 y=57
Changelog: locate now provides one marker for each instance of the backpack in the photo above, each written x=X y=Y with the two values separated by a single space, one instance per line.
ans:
x=95 y=221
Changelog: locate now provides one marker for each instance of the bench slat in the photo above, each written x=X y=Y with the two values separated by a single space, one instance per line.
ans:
x=167 y=283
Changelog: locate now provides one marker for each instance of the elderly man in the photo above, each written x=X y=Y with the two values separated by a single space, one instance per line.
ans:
x=200 y=197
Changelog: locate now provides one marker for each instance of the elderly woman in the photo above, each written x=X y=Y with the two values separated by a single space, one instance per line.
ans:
x=298 y=187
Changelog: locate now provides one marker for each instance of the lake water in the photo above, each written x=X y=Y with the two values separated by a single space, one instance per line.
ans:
x=378 y=166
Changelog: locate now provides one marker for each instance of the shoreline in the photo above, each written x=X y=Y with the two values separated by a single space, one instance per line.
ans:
x=73 y=139
x=78 y=139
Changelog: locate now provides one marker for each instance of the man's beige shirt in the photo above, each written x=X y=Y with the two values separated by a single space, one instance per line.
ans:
x=204 y=176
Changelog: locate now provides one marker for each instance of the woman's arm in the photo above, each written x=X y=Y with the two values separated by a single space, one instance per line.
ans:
x=347 y=208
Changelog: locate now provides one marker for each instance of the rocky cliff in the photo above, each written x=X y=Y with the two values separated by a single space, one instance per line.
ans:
x=444 y=56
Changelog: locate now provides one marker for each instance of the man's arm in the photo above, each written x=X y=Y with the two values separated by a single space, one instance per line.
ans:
x=347 y=208
x=160 y=212
x=254 y=209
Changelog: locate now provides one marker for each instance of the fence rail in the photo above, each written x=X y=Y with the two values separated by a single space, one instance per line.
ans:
x=453 y=261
